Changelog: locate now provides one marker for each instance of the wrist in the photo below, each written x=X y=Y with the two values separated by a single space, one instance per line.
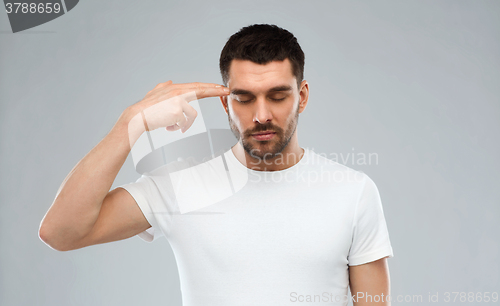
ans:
x=130 y=124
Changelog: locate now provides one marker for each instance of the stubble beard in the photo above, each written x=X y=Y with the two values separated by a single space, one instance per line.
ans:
x=265 y=150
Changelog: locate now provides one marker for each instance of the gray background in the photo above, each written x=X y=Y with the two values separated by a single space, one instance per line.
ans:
x=415 y=82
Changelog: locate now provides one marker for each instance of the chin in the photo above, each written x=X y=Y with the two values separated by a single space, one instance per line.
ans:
x=262 y=151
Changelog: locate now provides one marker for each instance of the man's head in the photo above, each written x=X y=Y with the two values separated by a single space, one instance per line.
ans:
x=263 y=66
x=261 y=44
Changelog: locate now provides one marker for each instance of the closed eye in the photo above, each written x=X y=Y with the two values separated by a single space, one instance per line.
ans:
x=240 y=99
x=250 y=99
x=277 y=100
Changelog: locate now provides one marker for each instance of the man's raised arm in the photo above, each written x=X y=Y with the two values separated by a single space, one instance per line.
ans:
x=85 y=211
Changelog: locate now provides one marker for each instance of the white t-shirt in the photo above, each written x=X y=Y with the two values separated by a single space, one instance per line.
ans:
x=282 y=238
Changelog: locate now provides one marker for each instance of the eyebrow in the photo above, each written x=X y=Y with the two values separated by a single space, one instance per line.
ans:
x=274 y=89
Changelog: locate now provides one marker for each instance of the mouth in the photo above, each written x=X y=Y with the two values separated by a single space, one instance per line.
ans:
x=264 y=135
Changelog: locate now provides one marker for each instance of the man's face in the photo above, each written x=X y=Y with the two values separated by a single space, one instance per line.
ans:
x=264 y=100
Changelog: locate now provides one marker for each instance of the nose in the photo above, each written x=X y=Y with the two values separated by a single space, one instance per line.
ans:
x=262 y=112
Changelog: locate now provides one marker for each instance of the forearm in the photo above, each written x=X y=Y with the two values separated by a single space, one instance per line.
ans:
x=78 y=202
x=370 y=283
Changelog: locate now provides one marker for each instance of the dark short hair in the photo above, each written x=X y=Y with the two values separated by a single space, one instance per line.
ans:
x=261 y=44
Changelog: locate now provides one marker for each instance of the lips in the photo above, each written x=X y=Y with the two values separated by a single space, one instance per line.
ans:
x=263 y=136
x=264 y=133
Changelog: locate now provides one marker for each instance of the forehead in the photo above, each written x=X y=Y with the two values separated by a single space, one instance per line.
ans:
x=245 y=74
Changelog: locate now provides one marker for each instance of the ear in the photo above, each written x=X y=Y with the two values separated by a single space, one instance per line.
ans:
x=304 y=95
x=223 y=99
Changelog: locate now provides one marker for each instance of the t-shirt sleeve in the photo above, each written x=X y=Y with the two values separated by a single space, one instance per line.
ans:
x=370 y=240
x=149 y=199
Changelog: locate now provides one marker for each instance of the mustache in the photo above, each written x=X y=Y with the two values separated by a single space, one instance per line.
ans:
x=264 y=127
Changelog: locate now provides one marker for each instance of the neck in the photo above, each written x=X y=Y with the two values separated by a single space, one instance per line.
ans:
x=290 y=156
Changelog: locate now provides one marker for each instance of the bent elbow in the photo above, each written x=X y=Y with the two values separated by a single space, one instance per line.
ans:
x=45 y=237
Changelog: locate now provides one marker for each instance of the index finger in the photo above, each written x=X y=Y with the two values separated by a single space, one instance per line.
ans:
x=205 y=90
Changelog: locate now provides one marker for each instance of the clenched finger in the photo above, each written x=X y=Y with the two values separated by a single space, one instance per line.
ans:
x=180 y=123
x=190 y=113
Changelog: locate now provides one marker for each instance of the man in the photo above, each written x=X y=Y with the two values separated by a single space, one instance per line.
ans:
x=303 y=231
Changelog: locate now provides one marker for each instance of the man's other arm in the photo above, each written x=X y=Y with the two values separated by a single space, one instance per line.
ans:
x=370 y=283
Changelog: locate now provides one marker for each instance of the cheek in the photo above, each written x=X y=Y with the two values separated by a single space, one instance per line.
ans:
x=285 y=114
x=239 y=114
